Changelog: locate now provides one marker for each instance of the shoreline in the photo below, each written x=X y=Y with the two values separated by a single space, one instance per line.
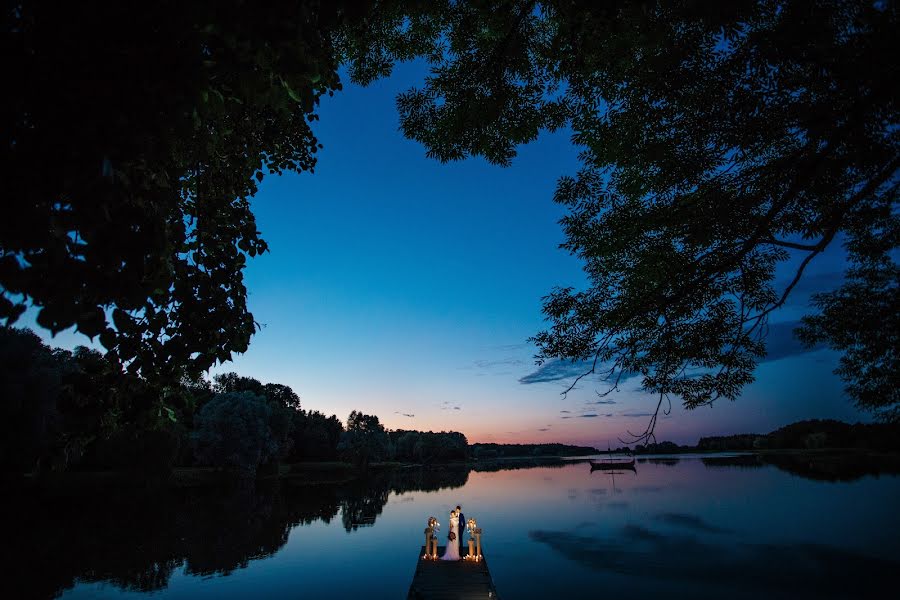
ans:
x=826 y=460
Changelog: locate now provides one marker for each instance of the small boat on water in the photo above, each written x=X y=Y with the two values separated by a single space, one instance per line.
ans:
x=612 y=465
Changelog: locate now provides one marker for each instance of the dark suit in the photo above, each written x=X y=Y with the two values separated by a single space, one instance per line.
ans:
x=462 y=530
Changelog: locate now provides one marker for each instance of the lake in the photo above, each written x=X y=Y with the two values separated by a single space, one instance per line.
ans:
x=689 y=526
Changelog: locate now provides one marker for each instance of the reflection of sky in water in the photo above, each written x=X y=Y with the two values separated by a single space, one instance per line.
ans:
x=680 y=530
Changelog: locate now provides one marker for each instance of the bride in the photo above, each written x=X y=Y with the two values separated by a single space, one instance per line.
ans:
x=452 y=551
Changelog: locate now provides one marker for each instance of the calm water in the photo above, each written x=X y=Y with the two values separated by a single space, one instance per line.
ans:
x=689 y=527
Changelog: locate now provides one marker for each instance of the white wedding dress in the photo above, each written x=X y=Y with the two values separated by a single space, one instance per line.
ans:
x=452 y=551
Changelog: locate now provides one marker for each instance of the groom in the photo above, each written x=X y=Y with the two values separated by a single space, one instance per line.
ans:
x=461 y=528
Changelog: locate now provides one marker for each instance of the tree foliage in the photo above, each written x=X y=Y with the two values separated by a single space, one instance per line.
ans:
x=719 y=141
x=240 y=431
x=365 y=440
x=132 y=141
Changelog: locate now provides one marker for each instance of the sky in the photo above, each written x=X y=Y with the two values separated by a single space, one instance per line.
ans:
x=407 y=288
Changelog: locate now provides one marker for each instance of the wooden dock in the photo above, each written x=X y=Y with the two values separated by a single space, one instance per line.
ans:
x=451 y=580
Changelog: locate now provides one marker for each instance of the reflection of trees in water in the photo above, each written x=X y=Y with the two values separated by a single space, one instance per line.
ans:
x=365 y=498
x=668 y=462
x=512 y=465
x=135 y=539
x=828 y=466
x=744 y=461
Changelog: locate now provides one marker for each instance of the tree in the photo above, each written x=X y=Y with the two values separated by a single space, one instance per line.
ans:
x=238 y=431
x=719 y=141
x=365 y=440
x=131 y=144
x=862 y=319
x=316 y=437
x=31 y=379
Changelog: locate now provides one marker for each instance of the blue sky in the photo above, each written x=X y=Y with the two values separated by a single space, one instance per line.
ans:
x=399 y=286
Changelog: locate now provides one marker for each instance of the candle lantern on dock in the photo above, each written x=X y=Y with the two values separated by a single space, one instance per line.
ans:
x=431 y=541
x=477 y=531
x=429 y=535
x=470 y=526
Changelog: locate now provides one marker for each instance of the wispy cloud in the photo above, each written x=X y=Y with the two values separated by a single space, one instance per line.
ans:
x=559 y=370
x=636 y=414
x=565 y=411
x=782 y=343
x=410 y=415
x=556 y=370
x=589 y=415
x=445 y=405
x=603 y=402
x=506 y=362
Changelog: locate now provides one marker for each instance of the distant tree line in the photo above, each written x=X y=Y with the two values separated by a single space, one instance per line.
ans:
x=489 y=451
x=811 y=434
x=80 y=410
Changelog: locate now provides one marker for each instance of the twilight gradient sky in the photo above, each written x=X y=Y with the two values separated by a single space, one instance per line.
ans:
x=406 y=288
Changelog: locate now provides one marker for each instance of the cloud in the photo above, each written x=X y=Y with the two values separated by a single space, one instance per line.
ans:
x=445 y=405
x=510 y=347
x=457 y=408
x=558 y=370
x=810 y=284
x=589 y=415
x=782 y=343
x=555 y=370
x=565 y=411
x=410 y=415
x=603 y=402
x=634 y=414
x=544 y=429
x=505 y=362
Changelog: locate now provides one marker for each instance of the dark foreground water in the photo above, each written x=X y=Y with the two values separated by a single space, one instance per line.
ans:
x=726 y=527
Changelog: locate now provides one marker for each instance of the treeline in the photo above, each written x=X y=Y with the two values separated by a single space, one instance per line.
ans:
x=78 y=410
x=489 y=451
x=81 y=411
x=812 y=434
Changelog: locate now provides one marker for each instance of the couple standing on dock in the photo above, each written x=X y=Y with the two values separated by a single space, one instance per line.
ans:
x=454 y=538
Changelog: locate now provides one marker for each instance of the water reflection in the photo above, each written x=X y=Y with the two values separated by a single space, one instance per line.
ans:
x=788 y=570
x=136 y=539
x=824 y=466
x=696 y=526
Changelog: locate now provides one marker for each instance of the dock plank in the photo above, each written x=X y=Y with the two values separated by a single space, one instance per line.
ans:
x=451 y=580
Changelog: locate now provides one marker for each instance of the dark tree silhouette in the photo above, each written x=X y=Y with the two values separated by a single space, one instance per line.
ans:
x=365 y=440
x=719 y=140
x=132 y=140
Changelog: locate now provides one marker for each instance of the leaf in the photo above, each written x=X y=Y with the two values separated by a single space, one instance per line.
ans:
x=171 y=414
x=294 y=95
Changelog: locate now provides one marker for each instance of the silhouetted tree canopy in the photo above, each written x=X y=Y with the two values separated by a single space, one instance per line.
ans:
x=719 y=140
x=241 y=431
x=133 y=139
x=365 y=440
